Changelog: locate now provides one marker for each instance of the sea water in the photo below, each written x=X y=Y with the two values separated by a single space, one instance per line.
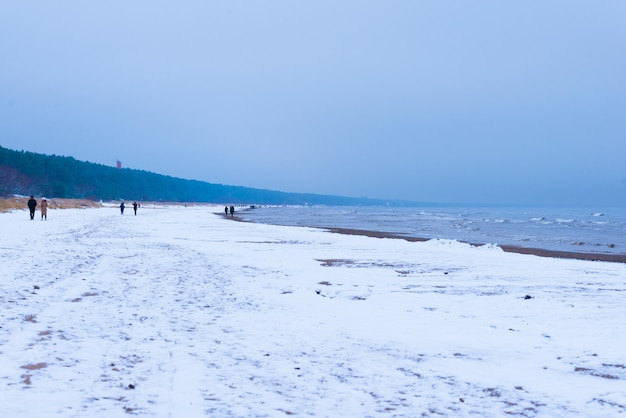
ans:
x=559 y=229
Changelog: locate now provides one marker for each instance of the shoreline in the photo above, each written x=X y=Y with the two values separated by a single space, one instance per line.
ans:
x=540 y=252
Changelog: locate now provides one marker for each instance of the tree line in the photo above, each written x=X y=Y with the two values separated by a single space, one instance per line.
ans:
x=28 y=173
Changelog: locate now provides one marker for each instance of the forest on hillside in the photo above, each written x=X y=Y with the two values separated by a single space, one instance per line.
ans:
x=27 y=173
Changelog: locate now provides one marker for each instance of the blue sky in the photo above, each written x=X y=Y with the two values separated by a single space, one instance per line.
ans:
x=442 y=101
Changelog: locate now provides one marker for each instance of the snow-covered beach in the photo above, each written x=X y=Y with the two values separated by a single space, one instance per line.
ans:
x=178 y=312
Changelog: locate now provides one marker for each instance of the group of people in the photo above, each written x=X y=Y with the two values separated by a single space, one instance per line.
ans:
x=135 y=206
x=43 y=207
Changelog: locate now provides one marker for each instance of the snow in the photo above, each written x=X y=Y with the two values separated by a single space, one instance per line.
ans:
x=178 y=312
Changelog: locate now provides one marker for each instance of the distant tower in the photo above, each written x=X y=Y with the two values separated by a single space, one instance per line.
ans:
x=119 y=164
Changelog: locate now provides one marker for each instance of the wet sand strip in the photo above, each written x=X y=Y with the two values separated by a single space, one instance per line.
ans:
x=614 y=258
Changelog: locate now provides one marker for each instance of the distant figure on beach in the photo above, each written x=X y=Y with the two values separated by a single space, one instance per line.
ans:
x=122 y=208
x=225 y=210
x=44 y=209
x=32 y=204
x=135 y=207
x=232 y=210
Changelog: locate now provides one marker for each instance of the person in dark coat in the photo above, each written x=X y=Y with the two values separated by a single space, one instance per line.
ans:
x=232 y=210
x=122 y=207
x=135 y=207
x=226 y=210
x=32 y=204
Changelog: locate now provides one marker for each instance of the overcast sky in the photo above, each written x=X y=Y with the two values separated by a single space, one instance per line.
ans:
x=435 y=100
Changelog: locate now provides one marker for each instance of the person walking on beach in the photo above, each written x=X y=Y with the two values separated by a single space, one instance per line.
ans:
x=122 y=207
x=135 y=207
x=232 y=210
x=32 y=204
x=44 y=209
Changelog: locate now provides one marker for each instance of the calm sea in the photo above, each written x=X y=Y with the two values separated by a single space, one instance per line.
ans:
x=571 y=229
